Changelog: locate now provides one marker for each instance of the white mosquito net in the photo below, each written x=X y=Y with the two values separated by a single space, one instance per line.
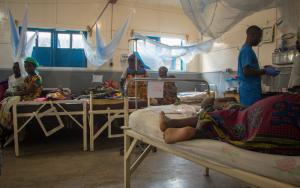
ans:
x=156 y=54
x=215 y=17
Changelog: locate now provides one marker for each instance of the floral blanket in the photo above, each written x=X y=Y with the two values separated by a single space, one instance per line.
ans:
x=271 y=125
x=5 y=111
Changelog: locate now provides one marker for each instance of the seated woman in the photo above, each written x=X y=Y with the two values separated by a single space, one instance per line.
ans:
x=33 y=82
x=15 y=81
x=170 y=89
x=271 y=125
x=31 y=91
x=132 y=72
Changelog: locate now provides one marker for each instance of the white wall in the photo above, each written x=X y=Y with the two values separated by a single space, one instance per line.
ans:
x=225 y=52
x=77 y=14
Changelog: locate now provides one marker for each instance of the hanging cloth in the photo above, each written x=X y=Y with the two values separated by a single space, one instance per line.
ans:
x=104 y=53
x=215 y=17
x=21 y=47
x=155 y=54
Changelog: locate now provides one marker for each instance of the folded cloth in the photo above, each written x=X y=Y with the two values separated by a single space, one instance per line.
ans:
x=56 y=96
x=40 y=99
x=5 y=111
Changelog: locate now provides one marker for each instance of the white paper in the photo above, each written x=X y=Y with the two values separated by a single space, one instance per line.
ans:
x=97 y=78
x=155 y=89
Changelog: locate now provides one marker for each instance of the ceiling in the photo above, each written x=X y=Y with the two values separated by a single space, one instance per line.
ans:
x=162 y=3
x=171 y=3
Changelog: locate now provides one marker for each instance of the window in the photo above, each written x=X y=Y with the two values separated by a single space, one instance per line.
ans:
x=176 y=64
x=29 y=34
x=77 y=41
x=63 y=40
x=44 y=39
x=58 y=48
x=171 y=41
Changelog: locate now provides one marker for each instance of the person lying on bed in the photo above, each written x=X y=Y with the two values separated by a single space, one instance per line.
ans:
x=15 y=81
x=170 y=89
x=132 y=72
x=270 y=125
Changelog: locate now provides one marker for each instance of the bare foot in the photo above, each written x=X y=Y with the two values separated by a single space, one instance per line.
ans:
x=163 y=121
x=173 y=135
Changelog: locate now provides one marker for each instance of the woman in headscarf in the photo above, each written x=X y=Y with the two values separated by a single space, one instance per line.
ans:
x=33 y=81
x=32 y=90
x=131 y=72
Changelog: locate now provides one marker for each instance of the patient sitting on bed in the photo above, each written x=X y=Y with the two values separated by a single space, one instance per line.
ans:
x=170 y=89
x=15 y=81
x=271 y=125
x=134 y=71
x=33 y=82
x=32 y=90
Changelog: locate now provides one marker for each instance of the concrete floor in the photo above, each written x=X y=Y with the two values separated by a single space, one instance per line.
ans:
x=60 y=162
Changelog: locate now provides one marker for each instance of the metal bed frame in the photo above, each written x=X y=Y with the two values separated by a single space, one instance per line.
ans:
x=112 y=114
x=54 y=108
x=131 y=138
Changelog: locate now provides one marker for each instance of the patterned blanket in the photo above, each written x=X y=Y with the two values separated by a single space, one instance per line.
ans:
x=271 y=125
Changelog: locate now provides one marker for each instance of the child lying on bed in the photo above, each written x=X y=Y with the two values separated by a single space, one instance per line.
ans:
x=271 y=125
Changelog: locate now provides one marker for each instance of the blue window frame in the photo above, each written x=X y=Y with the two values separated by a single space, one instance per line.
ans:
x=54 y=48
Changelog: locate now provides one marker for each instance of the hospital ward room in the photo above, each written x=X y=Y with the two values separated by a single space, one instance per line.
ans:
x=149 y=93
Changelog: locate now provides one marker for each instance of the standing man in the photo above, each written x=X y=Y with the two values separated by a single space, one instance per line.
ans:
x=249 y=72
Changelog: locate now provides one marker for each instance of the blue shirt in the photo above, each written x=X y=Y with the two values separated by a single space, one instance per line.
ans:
x=250 y=87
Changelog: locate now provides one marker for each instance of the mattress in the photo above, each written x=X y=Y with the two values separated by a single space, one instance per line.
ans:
x=279 y=167
x=118 y=104
x=191 y=97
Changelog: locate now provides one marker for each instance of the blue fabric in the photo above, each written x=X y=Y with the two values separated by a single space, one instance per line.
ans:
x=140 y=71
x=14 y=35
x=250 y=87
x=104 y=52
x=139 y=57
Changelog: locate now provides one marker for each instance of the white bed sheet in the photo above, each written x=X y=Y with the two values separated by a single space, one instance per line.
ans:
x=191 y=97
x=280 y=167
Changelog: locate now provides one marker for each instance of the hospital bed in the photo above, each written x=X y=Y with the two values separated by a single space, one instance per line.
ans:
x=258 y=169
x=29 y=110
x=111 y=108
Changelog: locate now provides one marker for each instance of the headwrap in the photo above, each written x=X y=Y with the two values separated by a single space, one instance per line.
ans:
x=163 y=68
x=32 y=61
x=140 y=63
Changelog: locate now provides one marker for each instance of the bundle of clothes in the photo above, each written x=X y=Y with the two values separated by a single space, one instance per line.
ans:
x=108 y=89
